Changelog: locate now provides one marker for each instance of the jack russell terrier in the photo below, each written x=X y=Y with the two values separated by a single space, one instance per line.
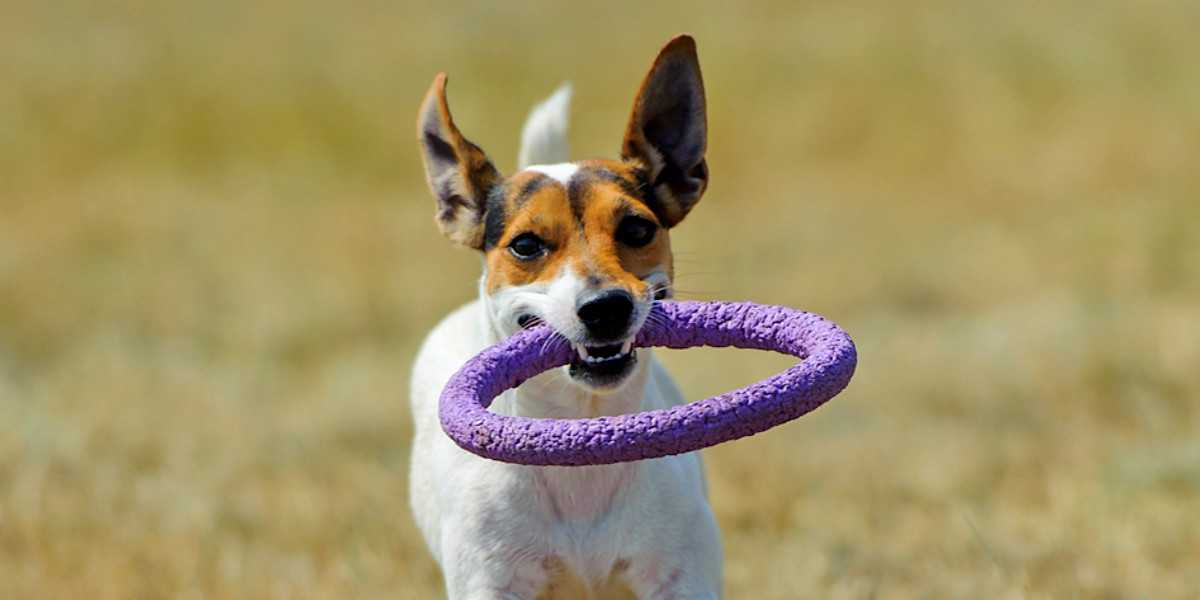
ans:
x=582 y=246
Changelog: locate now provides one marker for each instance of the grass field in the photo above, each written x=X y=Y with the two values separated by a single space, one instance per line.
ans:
x=217 y=260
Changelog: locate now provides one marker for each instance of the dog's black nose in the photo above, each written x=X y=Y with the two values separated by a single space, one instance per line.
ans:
x=607 y=316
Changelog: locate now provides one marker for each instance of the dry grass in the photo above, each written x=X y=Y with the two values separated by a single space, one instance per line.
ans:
x=217 y=260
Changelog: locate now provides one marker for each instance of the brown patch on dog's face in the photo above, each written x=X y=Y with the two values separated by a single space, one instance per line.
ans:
x=598 y=223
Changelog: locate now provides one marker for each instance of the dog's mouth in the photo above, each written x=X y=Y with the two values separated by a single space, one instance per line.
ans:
x=603 y=367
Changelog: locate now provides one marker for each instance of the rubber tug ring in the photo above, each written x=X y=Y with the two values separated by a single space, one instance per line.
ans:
x=828 y=359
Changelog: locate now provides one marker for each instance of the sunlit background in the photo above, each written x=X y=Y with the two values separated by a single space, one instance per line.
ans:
x=218 y=258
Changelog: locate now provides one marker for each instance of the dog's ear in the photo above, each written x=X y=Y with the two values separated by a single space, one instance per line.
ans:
x=459 y=173
x=667 y=131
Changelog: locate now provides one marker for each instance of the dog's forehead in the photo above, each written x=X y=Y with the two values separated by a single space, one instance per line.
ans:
x=607 y=172
x=569 y=189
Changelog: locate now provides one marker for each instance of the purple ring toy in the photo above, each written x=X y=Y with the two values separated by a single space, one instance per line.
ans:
x=828 y=361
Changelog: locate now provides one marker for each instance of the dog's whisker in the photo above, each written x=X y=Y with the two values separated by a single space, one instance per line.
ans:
x=554 y=336
x=656 y=319
x=695 y=295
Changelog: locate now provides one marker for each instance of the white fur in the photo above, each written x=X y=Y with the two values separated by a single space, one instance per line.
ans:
x=560 y=172
x=498 y=530
x=544 y=137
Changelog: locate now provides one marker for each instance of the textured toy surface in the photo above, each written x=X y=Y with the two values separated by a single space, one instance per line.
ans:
x=828 y=361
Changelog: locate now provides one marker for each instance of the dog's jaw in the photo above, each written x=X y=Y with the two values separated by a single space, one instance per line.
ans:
x=601 y=366
x=604 y=367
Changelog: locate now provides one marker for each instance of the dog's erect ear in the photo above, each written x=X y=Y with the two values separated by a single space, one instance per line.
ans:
x=459 y=173
x=667 y=131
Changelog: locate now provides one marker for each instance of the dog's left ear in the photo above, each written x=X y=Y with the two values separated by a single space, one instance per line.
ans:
x=459 y=173
x=667 y=132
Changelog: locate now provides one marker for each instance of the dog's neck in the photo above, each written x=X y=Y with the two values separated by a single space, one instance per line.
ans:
x=553 y=395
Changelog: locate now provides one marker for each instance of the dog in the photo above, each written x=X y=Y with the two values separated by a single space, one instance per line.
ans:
x=581 y=246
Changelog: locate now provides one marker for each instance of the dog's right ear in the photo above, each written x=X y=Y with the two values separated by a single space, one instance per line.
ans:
x=667 y=131
x=459 y=173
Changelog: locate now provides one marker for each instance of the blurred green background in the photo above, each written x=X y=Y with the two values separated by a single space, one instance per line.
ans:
x=217 y=260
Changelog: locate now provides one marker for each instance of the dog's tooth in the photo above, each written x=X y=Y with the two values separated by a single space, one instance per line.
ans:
x=627 y=346
x=582 y=350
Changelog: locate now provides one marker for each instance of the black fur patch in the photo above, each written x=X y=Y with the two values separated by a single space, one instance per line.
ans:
x=440 y=150
x=531 y=187
x=575 y=196
x=645 y=192
x=495 y=218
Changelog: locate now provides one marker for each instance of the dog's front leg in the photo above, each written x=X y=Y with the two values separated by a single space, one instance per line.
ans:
x=479 y=575
x=698 y=582
x=687 y=569
x=491 y=555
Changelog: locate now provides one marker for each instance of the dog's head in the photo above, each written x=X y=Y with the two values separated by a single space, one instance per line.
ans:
x=582 y=246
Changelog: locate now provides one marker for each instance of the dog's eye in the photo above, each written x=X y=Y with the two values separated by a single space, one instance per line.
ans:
x=636 y=231
x=527 y=246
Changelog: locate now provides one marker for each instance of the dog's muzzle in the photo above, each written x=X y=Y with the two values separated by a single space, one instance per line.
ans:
x=607 y=318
